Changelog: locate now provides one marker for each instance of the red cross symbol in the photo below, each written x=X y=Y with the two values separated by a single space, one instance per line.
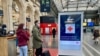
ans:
x=70 y=28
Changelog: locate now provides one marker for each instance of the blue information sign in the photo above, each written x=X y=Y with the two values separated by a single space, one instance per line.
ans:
x=90 y=24
x=45 y=5
x=70 y=32
x=68 y=29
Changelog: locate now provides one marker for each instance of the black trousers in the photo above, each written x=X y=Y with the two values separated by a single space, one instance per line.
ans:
x=54 y=35
x=39 y=51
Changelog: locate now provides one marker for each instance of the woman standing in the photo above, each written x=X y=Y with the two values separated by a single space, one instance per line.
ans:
x=23 y=38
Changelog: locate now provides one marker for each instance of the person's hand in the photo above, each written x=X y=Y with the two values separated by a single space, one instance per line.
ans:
x=42 y=40
x=34 y=50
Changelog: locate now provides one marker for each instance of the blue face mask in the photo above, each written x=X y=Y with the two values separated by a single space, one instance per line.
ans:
x=24 y=27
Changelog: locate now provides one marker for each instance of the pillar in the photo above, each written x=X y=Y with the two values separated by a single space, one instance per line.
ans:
x=30 y=10
x=99 y=19
x=32 y=20
x=7 y=12
x=22 y=17
x=37 y=13
x=30 y=24
x=99 y=15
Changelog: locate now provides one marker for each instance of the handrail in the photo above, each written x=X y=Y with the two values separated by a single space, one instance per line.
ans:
x=11 y=37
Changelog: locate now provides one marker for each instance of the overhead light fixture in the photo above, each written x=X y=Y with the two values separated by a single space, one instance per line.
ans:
x=49 y=24
x=27 y=0
x=72 y=0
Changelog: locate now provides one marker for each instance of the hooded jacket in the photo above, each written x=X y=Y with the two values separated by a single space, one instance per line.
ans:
x=22 y=36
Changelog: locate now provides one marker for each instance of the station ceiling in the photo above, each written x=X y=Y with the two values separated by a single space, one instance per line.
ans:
x=91 y=8
x=77 y=5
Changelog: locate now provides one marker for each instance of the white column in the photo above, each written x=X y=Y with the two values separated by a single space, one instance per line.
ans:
x=7 y=10
x=10 y=14
x=32 y=20
x=37 y=13
x=22 y=17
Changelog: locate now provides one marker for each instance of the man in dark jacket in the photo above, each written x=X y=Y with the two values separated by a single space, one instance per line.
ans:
x=54 y=32
x=37 y=40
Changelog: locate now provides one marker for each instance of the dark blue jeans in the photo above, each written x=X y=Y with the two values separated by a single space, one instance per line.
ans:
x=16 y=41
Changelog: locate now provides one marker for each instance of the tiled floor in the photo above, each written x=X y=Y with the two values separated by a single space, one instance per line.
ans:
x=52 y=44
x=48 y=44
x=88 y=37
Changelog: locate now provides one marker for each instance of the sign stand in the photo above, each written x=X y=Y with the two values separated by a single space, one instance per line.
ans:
x=70 y=33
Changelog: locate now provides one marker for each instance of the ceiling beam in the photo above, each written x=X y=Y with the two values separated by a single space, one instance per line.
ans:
x=62 y=4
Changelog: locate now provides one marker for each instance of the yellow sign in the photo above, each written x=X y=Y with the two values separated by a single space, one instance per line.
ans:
x=84 y=24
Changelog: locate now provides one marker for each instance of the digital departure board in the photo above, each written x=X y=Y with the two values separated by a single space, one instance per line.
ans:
x=45 y=5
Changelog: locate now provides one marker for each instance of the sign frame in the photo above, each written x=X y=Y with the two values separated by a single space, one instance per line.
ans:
x=70 y=52
x=46 y=6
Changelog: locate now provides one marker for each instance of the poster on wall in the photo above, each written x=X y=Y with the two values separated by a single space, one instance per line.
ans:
x=70 y=33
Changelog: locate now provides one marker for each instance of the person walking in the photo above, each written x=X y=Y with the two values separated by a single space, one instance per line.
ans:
x=96 y=36
x=23 y=38
x=54 y=32
x=37 y=39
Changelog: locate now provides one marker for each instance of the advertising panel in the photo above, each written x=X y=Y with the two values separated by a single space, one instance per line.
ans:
x=70 y=33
